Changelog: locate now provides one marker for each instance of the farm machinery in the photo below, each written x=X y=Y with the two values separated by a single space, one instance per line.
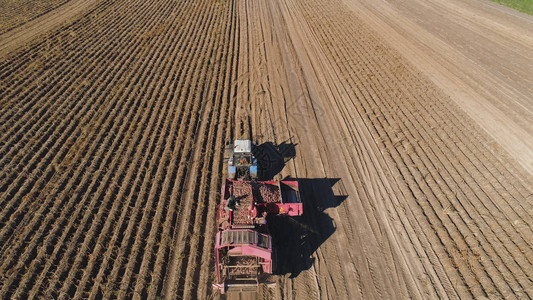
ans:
x=243 y=247
x=242 y=164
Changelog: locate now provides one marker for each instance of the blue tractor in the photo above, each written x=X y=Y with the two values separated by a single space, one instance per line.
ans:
x=242 y=164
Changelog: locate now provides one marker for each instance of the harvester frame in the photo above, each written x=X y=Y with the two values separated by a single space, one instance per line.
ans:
x=243 y=247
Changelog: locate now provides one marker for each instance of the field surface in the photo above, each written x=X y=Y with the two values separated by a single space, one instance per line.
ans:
x=15 y=13
x=409 y=124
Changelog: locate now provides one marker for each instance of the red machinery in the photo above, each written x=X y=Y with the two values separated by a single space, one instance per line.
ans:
x=243 y=244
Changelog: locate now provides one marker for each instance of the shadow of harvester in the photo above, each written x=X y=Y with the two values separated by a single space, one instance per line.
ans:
x=295 y=239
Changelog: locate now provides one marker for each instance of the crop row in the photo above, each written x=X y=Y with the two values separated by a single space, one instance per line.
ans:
x=16 y=13
x=103 y=157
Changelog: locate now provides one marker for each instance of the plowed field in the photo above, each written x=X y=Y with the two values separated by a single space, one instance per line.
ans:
x=16 y=13
x=114 y=116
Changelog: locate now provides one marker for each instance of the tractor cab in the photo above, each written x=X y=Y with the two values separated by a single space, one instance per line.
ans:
x=241 y=162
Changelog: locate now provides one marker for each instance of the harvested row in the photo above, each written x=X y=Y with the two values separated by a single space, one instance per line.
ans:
x=469 y=197
x=95 y=174
x=463 y=207
x=289 y=107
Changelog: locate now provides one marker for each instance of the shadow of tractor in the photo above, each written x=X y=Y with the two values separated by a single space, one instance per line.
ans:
x=272 y=158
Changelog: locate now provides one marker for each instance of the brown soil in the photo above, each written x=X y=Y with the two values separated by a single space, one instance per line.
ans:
x=15 y=13
x=478 y=52
x=112 y=130
x=28 y=25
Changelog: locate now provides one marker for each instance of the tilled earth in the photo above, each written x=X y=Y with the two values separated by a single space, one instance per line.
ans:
x=114 y=119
